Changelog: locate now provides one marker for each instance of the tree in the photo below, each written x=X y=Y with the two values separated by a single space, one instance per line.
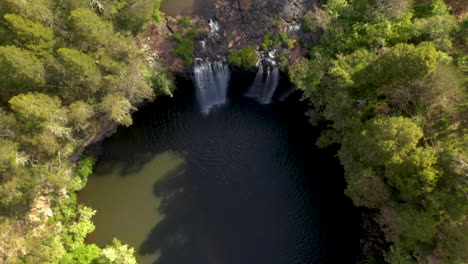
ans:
x=436 y=29
x=117 y=254
x=389 y=143
x=8 y=125
x=184 y=49
x=245 y=58
x=83 y=254
x=453 y=242
x=387 y=9
x=48 y=249
x=398 y=256
x=415 y=174
x=136 y=13
x=83 y=69
x=80 y=113
x=403 y=62
x=163 y=82
x=53 y=54
x=378 y=59
x=118 y=108
x=20 y=71
x=90 y=31
x=441 y=90
x=44 y=121
x=383 y=140
x=83 y=169
x=133 y=82
x=38 y=108
x=36 y=37
x=78 y=230
x=366 y=188
x=8 y=154
x=411 y=227
x=36 y=10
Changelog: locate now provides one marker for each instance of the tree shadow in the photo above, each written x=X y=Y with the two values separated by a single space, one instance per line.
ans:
x=252 y=216
x=264 y=211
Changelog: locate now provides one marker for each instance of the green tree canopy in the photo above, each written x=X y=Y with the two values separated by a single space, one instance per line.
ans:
x=118 y=108
x=20 y=71
x=365 y=187
x=90 y=32
x=38 y=108
x=413 y=226
x=37 y=10
x=35 y=36
x=80 y=113
x=136 y=13
x=245 y=58
x=404 y=62
x=415 y=174
x=8 y=154
x=81 y=66
x=117 y=253
x=384 y=140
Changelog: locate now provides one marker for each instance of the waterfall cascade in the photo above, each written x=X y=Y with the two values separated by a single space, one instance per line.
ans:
x=211 y=81
x=295 y=26
x=266 y=81
x=214 y=27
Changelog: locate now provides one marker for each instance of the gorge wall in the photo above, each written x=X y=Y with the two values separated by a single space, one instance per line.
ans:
x=235 y=25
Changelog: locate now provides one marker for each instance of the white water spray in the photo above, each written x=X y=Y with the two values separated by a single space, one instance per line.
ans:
x=214 y=27
x=266 y=80
x=211 y=80
x=295 y=26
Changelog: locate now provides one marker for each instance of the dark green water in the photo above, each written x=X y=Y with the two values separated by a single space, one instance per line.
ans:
x=244 y=184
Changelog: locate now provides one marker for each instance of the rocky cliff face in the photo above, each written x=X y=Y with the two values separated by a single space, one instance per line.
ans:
x=230 y=25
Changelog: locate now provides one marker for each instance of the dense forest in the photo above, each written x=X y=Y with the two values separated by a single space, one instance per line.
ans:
x=389 y=80
x=68 y=70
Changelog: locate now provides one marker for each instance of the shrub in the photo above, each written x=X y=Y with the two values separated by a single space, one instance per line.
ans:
x=245 y=58
x=158 y=16
x=184 y=49
x=84 y=168
x=192 y=33
x=135 y=14
x=277 y=23
x=283 y=35
x=185 y=21
x=19 y=70
x=288 y=43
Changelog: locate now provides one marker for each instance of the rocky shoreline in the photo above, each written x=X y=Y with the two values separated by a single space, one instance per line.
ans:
x=238 y=24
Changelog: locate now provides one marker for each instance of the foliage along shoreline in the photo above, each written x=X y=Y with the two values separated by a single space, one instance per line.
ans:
x=389 y=78
x=69 y=71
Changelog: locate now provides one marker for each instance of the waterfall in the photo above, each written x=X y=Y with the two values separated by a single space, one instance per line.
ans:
x=295 y=26
x=211 y=81
x=214 y=27
x=265 y=83
x=285 y=94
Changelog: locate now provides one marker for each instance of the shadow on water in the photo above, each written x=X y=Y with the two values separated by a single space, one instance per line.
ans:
x=244 y=184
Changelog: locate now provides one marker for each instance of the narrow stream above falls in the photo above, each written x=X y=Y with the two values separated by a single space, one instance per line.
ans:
x=242 y=183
